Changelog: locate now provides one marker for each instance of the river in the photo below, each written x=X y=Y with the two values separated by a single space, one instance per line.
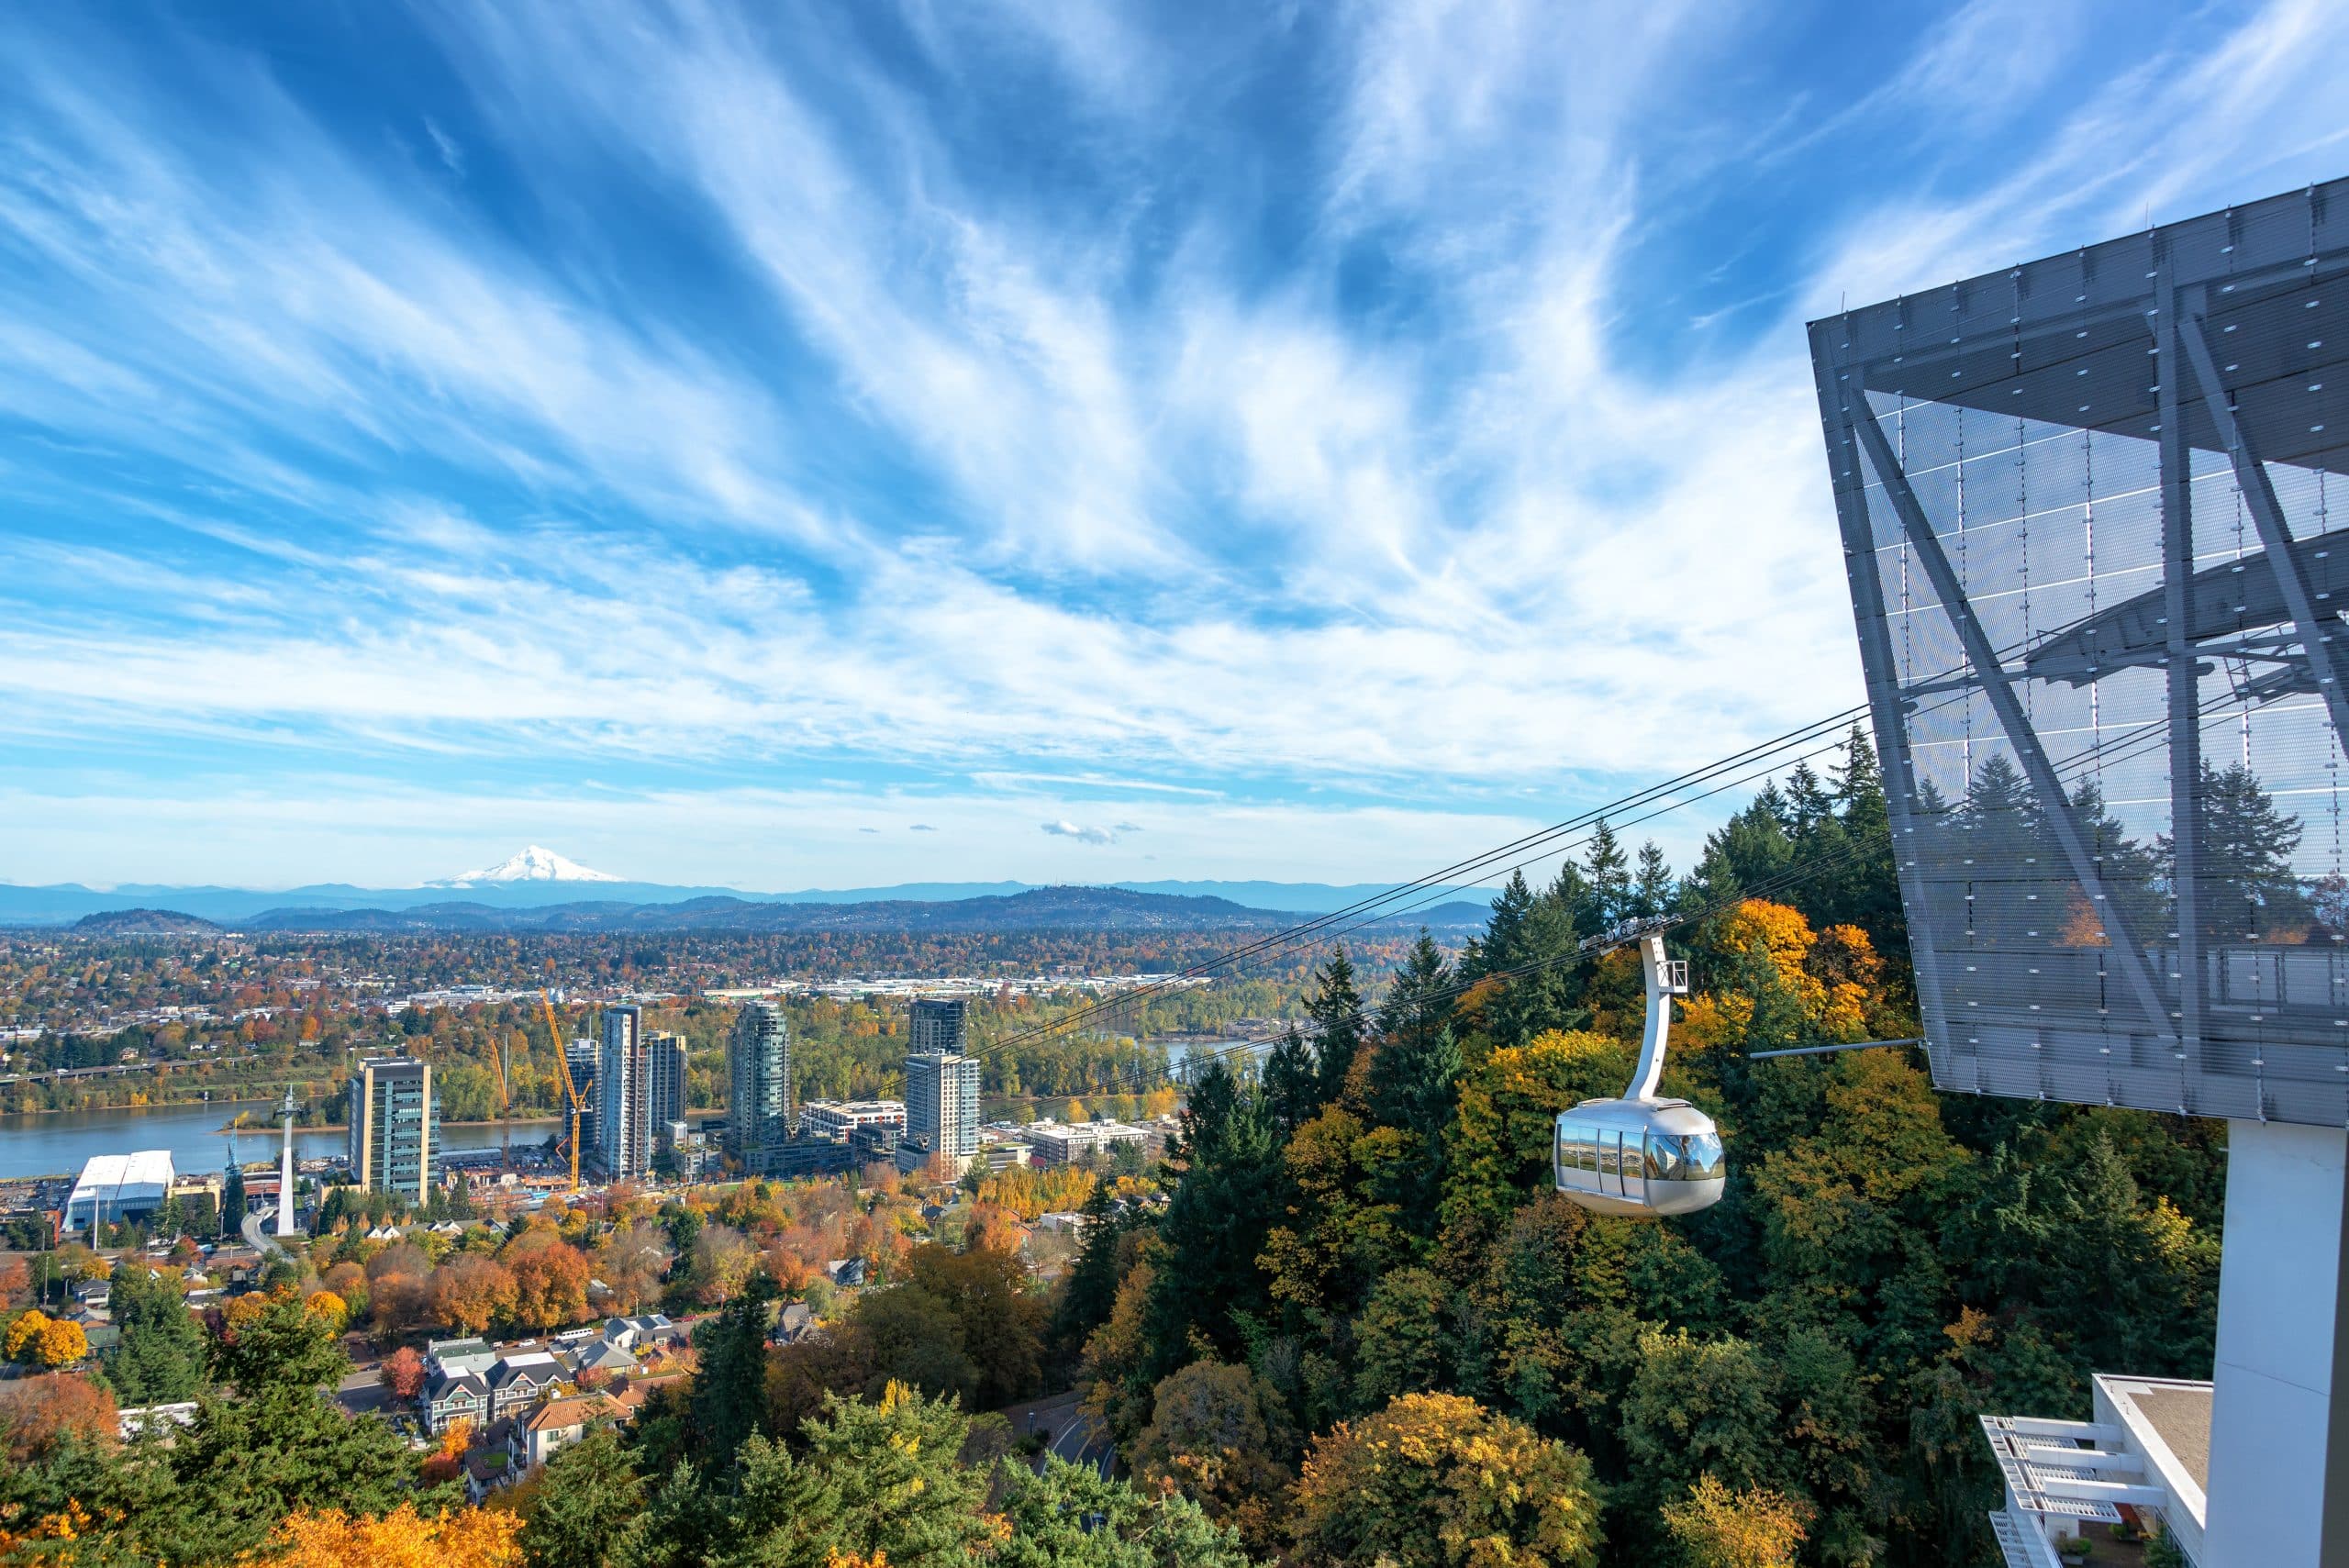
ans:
x=57 y=1143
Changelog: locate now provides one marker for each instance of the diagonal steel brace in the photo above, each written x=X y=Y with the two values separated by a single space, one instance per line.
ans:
x=1999 y=688
x=2319 y=635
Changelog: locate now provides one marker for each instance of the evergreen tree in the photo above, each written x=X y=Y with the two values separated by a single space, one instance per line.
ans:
x=1535 y=954
x=1652 y=888
x=729 y=1385
x=1230 y=1195
x=1607 y=872
x=1415 y=1079
x=2247 y=887
x=1071 y=1517
x=232 y=1201
x=277 y=1442
x=1503 y=932
x=159 y=1358
x=1292 y=1082
x=580 y=1513
x=1336 y=1011
x=1091 y=1289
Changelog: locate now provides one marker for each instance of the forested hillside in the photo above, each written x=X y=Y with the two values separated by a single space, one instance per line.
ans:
x=1363 y=1256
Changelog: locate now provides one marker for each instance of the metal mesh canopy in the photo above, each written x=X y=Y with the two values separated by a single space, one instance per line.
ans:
x=2088 y=508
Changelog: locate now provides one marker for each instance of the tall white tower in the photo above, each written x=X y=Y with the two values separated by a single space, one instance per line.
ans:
x=285 y=1172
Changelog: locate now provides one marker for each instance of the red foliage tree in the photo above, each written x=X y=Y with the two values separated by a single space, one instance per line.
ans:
x=402 y=1373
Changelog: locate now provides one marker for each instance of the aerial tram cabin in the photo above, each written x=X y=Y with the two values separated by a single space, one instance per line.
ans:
x=1641 y=1155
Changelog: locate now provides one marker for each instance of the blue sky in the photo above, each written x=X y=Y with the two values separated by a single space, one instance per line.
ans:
x=841 y=444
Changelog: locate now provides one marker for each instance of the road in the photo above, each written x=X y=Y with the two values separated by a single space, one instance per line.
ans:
x=1076 y=1436
x=259 y=1239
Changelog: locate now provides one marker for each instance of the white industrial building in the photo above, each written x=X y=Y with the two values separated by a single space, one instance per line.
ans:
x=116 y=1187
x=1063 y=1144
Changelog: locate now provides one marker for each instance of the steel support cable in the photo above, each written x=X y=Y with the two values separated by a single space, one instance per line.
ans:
x=1480 y=863
x=1317 y=930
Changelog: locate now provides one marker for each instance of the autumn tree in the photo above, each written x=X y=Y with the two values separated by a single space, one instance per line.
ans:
x=1437 y=1481
x=1715 y=1527
x=402 y=1373
x=550 y=1284
x=470 y=1292
x=1223 y=1436
x=466 y=1537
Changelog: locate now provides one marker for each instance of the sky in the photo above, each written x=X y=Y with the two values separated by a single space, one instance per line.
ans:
x=784 y=445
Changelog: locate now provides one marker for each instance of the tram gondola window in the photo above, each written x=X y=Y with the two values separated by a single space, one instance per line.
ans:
x=1704 y=1156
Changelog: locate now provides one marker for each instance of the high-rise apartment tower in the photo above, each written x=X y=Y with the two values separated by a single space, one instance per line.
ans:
x=758 y=1102
x=623 y=1096
x=395 y=1123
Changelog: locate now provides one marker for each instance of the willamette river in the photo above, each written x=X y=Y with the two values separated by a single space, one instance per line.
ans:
x=57 y=1143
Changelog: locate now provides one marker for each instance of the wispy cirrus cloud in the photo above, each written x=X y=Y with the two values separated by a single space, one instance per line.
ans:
x=1400 y=408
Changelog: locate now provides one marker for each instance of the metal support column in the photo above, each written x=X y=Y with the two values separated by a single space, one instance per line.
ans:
x=2185 y=695
x=2128 y=955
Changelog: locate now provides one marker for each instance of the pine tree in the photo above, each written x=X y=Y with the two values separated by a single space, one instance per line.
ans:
x=729 y=1387
x=1414 y=1078
x=1232 y=1192
x=1609 y=873
x=159 y=1358
x=1652 y=889
x=232 y=1201
x=1292 y=1082
x=1336 y=1011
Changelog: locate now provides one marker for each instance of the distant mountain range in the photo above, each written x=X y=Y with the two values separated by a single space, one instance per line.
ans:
x=550 y=903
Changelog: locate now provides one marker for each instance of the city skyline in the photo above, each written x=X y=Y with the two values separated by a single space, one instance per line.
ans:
x=1018 y=442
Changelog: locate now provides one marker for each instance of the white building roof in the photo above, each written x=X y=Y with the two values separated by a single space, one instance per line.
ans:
x=109 y=1177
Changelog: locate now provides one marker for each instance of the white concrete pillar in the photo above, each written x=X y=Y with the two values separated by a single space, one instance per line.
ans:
x=285 y=1183
x=2279 y=1467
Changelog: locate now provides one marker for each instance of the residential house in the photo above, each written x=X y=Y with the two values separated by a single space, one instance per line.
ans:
x=845 y=1271
x=601 y=1355
x=555 y=1426
x=635 y=1333
x=794 y=1323
x=450 y=1397
x=521 y=1379
x=468 y=1354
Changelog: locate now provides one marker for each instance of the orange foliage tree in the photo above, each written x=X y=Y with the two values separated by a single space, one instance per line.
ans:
x=469 y=1291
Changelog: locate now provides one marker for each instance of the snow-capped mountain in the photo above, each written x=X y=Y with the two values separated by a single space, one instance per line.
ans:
x=533 y=865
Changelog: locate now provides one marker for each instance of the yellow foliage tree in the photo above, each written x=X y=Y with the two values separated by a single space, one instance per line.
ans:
x=61 y=1343
x=326 y=1304
x=1716 y=1527
x=1438 y=1481
x=469 y=1538
x=26 y=1329
x=1834 y=976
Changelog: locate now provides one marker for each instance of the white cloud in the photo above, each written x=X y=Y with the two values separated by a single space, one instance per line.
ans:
x=1064 y=828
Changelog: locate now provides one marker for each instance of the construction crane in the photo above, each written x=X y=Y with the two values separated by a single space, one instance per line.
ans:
x=570 y=1090
x=505 y=1118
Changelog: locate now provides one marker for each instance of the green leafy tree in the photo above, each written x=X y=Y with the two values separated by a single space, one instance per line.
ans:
x=1399 y=1338
x=1222 y=1435
x=1070 y=1516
